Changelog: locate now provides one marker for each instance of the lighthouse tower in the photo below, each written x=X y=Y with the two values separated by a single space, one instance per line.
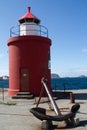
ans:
x=29 y=56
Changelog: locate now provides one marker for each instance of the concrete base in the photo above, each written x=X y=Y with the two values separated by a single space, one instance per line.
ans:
x=23 y=95
x=46 y=125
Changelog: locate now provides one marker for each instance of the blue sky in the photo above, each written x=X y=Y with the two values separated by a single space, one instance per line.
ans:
x=66 y=21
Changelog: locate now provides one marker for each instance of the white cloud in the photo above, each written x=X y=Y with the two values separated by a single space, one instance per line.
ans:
x=84 y=50
x=71 y=72
x=1 y=56
x=4 y=72
x=77 y=72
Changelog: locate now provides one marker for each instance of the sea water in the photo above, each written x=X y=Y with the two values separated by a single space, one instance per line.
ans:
x=69 y=83
x=59 y=83
x=4 y=83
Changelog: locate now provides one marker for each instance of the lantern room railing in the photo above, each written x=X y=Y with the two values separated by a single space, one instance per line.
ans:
x=41 y=30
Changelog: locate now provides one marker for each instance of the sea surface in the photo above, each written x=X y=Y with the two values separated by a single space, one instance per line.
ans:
x=69 y=83
x=4 y=83
x=59 y=83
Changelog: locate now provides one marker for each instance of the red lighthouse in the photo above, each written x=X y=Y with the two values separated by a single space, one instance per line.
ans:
x=29 y=56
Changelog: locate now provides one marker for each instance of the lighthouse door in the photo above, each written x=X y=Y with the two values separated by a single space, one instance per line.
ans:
x=24 y=80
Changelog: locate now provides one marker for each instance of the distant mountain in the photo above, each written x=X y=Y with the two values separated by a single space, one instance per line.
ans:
x=54 y=76
x=4 y=77
x=82 y=76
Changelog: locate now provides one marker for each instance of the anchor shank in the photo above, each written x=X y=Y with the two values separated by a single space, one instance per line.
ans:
x=56 y=109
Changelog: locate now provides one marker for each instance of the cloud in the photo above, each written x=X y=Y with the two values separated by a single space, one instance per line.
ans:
x=2 y=56
x=77 y=71
x=4 y=71
x=73 y=72
x=84 y=50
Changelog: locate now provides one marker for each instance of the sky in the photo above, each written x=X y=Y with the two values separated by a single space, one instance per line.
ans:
x=66 y=21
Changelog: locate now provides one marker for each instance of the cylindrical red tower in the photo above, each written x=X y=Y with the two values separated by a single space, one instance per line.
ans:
x=29 y=56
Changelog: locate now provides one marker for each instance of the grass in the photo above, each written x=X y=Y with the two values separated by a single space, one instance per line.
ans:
x=9 y=103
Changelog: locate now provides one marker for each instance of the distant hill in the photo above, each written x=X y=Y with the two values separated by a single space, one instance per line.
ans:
x=82 y=76
x=4 y=77
x=54 y=76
